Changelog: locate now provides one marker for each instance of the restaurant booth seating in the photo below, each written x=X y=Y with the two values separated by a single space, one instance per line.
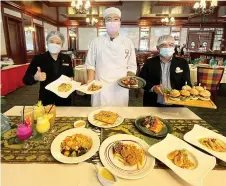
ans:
x=210 y=78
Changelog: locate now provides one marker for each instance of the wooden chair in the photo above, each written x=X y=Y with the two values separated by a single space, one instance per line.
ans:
x=210 y=78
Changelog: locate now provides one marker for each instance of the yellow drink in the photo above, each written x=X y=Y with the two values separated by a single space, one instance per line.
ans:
x=42 y=125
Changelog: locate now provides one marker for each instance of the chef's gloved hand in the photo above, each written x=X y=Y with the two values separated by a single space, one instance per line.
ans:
x=129 y=73
x=40 y=76
x=157 y=89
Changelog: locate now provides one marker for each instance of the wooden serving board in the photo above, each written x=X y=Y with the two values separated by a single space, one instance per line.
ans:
x=192 y=103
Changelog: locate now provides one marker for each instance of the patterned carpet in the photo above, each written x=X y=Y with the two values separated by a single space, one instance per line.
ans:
x=28 y=95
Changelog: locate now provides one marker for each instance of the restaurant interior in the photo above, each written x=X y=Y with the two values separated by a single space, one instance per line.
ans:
x=199 y=30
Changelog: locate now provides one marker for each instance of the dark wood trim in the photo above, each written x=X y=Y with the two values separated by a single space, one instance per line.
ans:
x=183 y=3
x=206 y=25
x=13 y=6
x=4 y=55
x=68 y=4
x=57 y=12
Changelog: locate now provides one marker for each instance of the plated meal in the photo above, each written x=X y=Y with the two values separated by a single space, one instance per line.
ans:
x=207 y=140
x=64 y=87
x=94 y=87
x=185 y=160
x=126 y=156
x=107 y=117
x=213 y=144
x=129 y=154
x=181 y=158
x=130 y=82
x=154 y=124
x=75 y=145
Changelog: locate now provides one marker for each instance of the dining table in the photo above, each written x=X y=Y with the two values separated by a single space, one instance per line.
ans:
x=35 y=172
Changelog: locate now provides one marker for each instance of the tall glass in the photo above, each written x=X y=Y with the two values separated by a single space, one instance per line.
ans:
x=51 y=110
x=27 y=116
x=38 y=111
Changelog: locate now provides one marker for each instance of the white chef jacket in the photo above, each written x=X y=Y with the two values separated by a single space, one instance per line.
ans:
x=111 y=60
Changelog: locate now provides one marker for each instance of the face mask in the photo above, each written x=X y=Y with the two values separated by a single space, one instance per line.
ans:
x=113 y=27
x=54 y=48
x=166 y=52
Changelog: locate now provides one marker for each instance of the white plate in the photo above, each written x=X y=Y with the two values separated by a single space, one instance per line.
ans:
x=84 y=88
x=200 y=132
x=117 y=167
x=63 y=79
x=55 y=146
x=102 y=124
x=205 y=163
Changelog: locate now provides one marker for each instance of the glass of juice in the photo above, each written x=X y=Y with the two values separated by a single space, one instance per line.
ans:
x=50 y=110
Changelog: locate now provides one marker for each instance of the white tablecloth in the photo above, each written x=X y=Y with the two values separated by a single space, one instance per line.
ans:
x=84 y=174
x=193 y=75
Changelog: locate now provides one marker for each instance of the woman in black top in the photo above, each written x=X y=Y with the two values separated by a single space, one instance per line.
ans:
x=48 y=67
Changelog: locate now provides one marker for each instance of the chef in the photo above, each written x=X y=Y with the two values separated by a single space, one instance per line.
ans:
x=111 y=57
x=49 y=66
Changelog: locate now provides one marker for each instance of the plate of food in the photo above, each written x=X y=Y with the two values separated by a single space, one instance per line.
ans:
x=132 y=82
x=186 y=161
x=126 y=156
x=93 y=87
x=207 y=140
x=63 y=86
x=152 y=126
x=75 y=145
x=105 y=118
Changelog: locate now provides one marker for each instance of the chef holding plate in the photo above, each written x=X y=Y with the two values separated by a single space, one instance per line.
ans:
x=111 y=57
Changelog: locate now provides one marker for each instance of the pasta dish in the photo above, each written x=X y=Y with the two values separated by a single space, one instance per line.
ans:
x=213 y=144
x=94 y=87
x=75 y=145
x=129 y=154
x=64 y=87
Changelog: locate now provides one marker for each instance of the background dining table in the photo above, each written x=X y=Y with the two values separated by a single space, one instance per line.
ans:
x=85 y=174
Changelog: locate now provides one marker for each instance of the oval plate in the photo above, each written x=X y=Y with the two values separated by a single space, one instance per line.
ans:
x=55 y=146
x=141 y=83
x=166 y=129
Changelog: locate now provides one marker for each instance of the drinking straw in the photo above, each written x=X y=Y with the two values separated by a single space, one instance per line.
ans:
x=50 y=108
x=23 y=114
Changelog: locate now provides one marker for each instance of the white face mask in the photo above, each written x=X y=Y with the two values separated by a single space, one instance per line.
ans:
x=167 y=52
x=113 y=27
x=54 y=48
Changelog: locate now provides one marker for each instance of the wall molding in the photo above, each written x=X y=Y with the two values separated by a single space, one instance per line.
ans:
x=15 y=7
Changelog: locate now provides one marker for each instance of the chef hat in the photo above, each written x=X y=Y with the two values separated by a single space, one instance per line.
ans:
x=111 y=10
x=165 y=39
x=55 y=34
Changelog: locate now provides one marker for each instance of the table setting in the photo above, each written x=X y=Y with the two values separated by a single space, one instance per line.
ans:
x=107 y=134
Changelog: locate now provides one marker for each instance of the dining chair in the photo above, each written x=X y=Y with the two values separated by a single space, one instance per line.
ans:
x=210 y=78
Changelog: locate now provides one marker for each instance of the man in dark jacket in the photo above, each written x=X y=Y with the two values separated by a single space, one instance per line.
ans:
x=48 y=67
x=163 y=70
